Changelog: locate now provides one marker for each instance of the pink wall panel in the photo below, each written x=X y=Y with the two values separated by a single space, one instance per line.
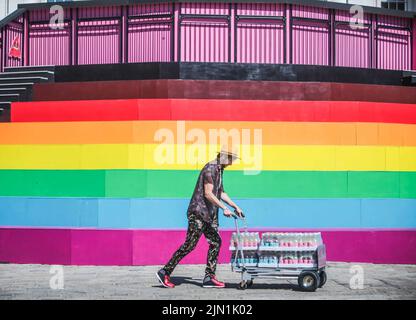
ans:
x=147 y=9
x=310 y=43
x=112 y=34
x=393 y=41
x=1 y=51
x=310 y=12
x=45 y=15
x=393 y=49
x=149 y=41
x=99 y=12
x=204 y=40
x=101 y=247
x=40 y=246
x=352 y=47
x=48 y=46
x=205 y=8
x=99 y=42
x=260 y=41
x=260 y=9
x=414 y=45
x=346 y=16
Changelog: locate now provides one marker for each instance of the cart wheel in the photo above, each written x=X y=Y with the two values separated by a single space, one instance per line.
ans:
x=242 y=285
x=249 y=283
x=308 y=281
x=322 y=278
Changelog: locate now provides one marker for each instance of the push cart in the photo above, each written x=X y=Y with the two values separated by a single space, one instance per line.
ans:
x=310 y=273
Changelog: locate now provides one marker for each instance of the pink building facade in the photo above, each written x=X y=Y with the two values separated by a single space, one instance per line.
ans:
x=278 y=32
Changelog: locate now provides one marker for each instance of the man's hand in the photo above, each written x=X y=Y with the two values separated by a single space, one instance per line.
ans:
x=239 y=212
x=227 y=212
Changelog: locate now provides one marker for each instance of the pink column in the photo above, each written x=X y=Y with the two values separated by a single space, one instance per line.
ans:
x=414 y=44
x=176 y=31
x=288 y=27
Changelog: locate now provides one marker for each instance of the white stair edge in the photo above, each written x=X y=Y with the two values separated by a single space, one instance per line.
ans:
x=43 y=78
x=17 y=84
x=20 y=89
x=20 y=72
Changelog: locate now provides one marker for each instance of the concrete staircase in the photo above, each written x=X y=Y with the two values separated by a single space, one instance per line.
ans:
x=16 y=85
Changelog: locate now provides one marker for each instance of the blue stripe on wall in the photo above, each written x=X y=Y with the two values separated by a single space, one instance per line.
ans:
x=171 y=213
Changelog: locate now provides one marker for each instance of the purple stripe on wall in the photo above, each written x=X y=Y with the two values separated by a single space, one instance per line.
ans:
x=155 y=247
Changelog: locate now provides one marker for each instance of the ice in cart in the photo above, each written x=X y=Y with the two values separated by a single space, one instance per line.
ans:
x=300 y=256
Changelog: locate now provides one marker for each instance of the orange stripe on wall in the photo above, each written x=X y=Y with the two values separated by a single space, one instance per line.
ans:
x=278 y=133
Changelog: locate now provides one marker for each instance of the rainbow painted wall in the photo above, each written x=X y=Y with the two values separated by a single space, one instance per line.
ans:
x=79 y=184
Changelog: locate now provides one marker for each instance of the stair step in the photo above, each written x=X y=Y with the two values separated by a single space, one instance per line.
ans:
x=37 y=68
x=15 y=85
x=29 y=74
x=5 y=111
x=9 y=97
x=22 y=78
x=409 y=80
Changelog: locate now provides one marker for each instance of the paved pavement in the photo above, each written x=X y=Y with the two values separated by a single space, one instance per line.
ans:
x=344 y=280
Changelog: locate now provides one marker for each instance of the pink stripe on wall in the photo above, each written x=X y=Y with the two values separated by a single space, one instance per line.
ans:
x=155 y=247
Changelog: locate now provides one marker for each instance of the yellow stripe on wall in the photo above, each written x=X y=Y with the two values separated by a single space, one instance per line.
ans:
x=268 y=157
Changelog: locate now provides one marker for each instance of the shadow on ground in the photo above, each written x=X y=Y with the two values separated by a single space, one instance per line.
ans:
x=178 y=281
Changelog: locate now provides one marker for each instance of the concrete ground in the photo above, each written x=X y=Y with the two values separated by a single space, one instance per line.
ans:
x=345 y=281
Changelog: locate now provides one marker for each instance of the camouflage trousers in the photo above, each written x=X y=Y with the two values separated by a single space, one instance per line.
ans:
x=197 y=227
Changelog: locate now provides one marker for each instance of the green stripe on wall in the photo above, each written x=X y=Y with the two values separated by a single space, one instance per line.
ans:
x=180 y=184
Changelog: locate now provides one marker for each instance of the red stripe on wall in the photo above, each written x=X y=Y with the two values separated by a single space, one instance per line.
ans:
x=213 y=110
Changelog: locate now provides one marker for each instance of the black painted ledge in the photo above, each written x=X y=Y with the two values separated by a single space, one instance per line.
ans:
x=227 y=71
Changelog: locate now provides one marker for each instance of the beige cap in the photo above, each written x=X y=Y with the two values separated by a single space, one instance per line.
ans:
x=230 y=151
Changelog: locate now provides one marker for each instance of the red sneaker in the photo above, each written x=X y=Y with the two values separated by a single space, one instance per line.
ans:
x=212 y=282
x=164 y=279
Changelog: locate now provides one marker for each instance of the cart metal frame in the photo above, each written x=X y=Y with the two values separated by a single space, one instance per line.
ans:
x=309 y=279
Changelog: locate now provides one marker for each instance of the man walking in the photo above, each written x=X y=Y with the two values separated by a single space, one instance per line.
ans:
x=203 y=219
